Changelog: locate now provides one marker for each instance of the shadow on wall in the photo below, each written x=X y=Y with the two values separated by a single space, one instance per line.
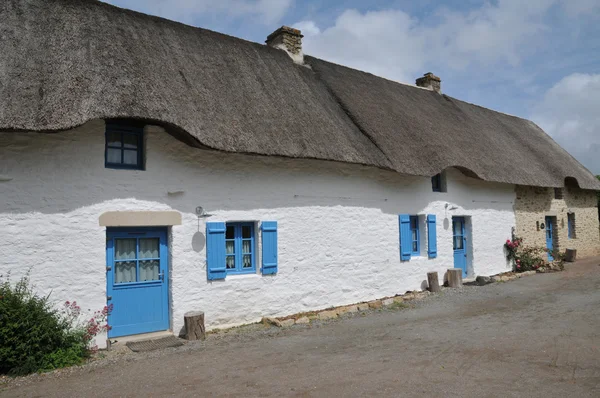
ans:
x=72 y=176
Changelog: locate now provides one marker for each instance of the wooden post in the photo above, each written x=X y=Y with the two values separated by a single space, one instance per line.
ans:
x=434 y=284
x=571 y=255
x=194 y=325
x=455 y=277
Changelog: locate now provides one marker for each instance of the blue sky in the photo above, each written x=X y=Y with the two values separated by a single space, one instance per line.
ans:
x=538 y=59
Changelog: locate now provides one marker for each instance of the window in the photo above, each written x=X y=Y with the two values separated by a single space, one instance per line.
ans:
x=136 y=259
x=239 y=248
x=124 y=146
x=438 y=183
x=571 y=225
x=458 y=233
x=558 y=193
x=414 y=233
x=230 y=249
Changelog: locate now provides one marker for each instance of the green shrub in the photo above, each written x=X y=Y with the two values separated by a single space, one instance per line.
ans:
x=36 y=337
x=529 y=258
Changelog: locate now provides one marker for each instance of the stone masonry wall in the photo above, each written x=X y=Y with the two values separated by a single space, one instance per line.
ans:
x=533 y=204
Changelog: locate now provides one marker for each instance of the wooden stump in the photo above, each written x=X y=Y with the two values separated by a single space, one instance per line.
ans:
x=434 y=284
x=455 y=277
x=571 y=255
x=194 y=325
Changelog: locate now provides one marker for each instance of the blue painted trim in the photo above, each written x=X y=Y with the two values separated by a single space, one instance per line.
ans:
x=460 y=255
x=269 y=247
x=550 y=237
x=416 y=241
x=123 y=128
x=239 y=255
x=215 y=251
x=405 y=237
x=158 y=289
x=431 y=236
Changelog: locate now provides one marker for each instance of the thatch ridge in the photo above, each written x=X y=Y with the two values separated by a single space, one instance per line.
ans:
x=66 y=62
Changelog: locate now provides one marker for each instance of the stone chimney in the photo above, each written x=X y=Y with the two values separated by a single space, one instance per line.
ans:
x=289 y=40
x=430 y=82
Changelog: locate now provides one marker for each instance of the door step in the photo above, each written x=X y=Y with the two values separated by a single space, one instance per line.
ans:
x=154 y=344
x=119 y=343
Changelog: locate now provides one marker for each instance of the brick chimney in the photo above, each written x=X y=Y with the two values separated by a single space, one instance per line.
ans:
x=289 y=40
x=430 y=82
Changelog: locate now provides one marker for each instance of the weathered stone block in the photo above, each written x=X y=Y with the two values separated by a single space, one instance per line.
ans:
x=327 y=315
x=347 y=309
x=375 y=304
x=387 y=302
x=302 y=321
x=271 y=321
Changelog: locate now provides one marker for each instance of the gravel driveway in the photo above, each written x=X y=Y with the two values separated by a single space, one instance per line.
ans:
x=538 y=336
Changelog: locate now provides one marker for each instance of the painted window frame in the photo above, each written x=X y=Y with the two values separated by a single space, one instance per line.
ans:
x=414 y=227
x=114 y=233
x=438 y=183
x=124 y=128
x=238 y=247
x=571 y=225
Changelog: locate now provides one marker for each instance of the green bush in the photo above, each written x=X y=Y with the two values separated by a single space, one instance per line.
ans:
x=528 y=258
x=35 y=337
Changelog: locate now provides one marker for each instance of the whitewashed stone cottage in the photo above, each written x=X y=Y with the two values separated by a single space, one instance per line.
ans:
x=320 y=185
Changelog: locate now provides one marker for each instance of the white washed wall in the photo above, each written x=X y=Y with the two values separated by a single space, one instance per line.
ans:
x=338 y=223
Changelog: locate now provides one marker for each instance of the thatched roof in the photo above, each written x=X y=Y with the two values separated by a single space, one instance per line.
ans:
x=65 y=62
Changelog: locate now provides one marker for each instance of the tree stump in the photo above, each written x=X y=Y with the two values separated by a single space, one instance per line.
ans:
x=194 y=325
x=432 y=281
x=571 y=255
x=455 y=277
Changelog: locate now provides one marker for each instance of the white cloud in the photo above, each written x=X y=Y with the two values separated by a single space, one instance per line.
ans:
x=394 y=44
x=569 y=112
x=263 y=11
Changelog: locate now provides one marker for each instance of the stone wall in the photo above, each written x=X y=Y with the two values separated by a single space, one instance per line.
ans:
x=533 y=204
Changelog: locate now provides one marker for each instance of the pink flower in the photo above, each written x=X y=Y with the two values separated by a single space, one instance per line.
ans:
x=518 y=266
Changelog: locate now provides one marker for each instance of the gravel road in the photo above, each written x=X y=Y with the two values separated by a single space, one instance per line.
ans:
x=538 y=336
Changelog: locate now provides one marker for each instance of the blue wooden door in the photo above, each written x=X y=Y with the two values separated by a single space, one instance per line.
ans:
x=137 y=280
x=549 y=237
x=460 y=244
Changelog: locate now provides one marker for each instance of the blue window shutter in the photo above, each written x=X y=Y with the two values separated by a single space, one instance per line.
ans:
x=215 y=250
x=405 y=237
x=269 y=247
x=431 y=236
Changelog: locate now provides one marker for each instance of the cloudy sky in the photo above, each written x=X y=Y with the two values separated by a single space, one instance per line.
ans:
x=538 y=59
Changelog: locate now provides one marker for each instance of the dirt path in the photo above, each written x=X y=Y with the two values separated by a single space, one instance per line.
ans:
x=538 y=336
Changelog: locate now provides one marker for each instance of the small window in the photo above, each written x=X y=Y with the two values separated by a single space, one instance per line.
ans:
x=124 y=146
x=438 y=183
x=571 y=225
x=558 y=193
x=136 y=260
x=239 y=248
x=414 y=233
